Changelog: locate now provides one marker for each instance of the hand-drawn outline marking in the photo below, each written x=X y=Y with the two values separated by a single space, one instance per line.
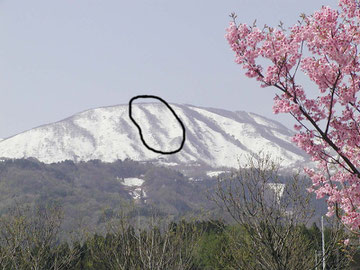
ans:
x=140 y=132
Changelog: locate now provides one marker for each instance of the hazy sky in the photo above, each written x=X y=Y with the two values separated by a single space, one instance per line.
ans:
x=60 y=57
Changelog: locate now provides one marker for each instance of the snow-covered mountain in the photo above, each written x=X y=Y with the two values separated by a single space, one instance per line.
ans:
x=213 y=136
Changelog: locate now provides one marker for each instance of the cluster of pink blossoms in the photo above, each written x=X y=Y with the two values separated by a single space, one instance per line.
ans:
x=324 y=46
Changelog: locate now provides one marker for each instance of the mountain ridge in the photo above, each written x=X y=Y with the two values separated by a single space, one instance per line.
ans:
x=214 y=136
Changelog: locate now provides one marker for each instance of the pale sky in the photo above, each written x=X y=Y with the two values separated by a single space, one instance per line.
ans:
x=60 y=57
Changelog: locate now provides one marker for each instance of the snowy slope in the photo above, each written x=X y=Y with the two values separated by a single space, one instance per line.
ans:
x=213 y=136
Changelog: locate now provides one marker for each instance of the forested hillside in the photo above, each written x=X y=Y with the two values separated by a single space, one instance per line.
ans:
x=95 y=215
x=88 y=190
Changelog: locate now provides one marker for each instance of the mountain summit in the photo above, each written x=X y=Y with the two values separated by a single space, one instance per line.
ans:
x=213 y=136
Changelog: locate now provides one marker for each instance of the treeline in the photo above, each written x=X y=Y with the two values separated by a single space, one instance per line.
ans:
x=29 y=239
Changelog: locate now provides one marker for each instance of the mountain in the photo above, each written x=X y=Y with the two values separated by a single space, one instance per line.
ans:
x=214 y=137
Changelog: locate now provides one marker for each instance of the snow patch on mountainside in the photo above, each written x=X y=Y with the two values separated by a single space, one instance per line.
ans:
x=138 y=193
x=213 y=136
x=278 y=189
x=130 y=182
x=215 y=173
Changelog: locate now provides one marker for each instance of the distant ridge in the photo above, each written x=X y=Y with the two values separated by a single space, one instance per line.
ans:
x=215 y=137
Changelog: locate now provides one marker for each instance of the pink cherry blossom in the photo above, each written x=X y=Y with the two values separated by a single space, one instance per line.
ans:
x=324 y=47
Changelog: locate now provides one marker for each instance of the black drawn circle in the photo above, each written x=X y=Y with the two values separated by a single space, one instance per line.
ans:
x=140 y=131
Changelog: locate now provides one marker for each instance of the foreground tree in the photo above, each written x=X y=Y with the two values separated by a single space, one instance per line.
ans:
x=156 y=245
x=324 y=46
x=29 y=239
x=272 y=216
